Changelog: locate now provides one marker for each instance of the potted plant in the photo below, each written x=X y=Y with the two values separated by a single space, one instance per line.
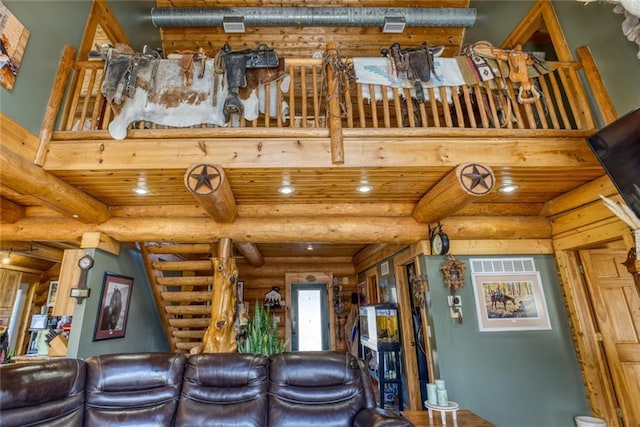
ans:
x=261 y=334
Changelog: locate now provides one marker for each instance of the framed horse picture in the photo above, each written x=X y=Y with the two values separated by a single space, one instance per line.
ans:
x=113 y=310
x=508 y=295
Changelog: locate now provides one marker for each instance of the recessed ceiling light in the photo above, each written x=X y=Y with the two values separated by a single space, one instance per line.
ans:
x=141 y=190
x=309 y=247
x=364 y=188
x=508 y=188
x=286 y=189
x=141 y=187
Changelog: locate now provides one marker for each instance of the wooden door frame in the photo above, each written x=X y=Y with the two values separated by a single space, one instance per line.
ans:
x=409 y=358
x=599 y=387
x=309 y=278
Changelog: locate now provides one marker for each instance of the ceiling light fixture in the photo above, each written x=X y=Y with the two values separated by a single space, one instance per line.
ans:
x=286 y=188
x=7 y=259
x=141 y=188
x=508 y=188
x=364 y=188
x=309 y=247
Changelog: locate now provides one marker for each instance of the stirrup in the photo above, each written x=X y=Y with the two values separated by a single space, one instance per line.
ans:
x=232 y=105
x=535 y=95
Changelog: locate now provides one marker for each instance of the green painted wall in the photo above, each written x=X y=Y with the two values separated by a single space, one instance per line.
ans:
x=144 y=327
x=523 y=378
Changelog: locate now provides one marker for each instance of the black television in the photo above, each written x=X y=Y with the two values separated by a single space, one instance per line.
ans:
x=617 y=146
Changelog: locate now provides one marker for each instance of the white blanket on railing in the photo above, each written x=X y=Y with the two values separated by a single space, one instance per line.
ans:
x=377 y=71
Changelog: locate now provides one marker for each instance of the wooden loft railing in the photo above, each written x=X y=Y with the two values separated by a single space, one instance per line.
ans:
x=562 y=107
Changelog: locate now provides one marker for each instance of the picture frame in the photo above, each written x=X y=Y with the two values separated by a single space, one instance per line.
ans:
x=13 y=41
x=113 y=308
x=510 y=301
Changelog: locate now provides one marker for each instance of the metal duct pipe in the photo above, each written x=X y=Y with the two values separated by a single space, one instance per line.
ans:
x=313 y=16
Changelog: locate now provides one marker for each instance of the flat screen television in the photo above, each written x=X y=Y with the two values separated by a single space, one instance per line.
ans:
x=617 y=146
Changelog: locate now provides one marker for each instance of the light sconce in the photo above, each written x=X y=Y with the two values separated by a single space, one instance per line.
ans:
x=393 y=24
x=7 y=259
x=233 y=24
x=141 y=187
x=286 y=188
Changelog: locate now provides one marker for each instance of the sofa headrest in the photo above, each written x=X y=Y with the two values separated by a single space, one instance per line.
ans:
x=34 y=383
x=128 y=372
x=314 y=368
x=226 y=369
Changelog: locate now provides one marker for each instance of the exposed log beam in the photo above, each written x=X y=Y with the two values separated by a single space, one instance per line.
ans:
x=461 y=186
x=582 y=195
x=10 y=212
x=251 y=252
x=27 y=178
x=210 y=187
x=365 y=150
x=277 y=230
x=100 y=241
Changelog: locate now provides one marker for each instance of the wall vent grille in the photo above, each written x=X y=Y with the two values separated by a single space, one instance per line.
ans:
x=502 y=265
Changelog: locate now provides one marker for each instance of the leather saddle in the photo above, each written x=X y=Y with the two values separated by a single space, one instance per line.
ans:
x=414 y=64
x=517 y=62
x=236 y=65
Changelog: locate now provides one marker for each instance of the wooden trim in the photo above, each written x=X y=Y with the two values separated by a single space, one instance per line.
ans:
x=598 y=89
x=591 y=356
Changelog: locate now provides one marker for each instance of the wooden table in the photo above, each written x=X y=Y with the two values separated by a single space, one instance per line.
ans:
x=465 y=417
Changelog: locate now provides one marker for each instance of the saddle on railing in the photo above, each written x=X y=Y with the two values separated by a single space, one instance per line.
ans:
x=517 y=62
x=414 y=64
x=235 y=65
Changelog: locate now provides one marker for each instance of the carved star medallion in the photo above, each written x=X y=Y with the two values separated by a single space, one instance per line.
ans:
x=477 y=179
x=202 y=180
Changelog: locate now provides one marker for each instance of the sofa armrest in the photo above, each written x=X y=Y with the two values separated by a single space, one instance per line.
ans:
x=376 y=417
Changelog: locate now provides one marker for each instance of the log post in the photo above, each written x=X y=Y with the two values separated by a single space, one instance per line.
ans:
x=461 y=186
x=55 y=101
x=333 y=101
x=210 y=187
x=220 y=336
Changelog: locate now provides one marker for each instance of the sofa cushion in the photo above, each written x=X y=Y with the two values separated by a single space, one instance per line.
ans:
x=133 y=389
x=46 y=392
x=224 y=389
x=315 y=389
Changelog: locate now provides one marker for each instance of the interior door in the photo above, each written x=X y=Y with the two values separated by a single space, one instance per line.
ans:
x=309 y=317
x=616 y=305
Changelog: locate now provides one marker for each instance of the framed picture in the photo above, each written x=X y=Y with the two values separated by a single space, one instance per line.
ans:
x=13 y=40
x=509 y=300
x=114 y=307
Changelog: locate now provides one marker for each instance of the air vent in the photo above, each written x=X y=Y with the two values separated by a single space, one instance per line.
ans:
x=502 y=265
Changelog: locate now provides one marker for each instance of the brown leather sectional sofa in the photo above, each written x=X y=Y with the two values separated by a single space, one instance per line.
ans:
x=301 y=389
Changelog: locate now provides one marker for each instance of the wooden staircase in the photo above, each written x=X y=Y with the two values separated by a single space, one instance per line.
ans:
x=181 y=278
